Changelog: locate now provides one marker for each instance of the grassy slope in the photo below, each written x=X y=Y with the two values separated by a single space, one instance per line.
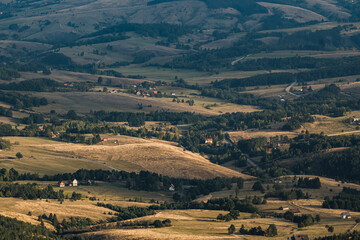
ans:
x=132 y=154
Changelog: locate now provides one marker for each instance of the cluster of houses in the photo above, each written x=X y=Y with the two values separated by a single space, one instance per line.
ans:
x=113 y=91
x=75 y=183
x=68 y=84
x=72 y=183
x=53 y=134
x=145 y=94
x=345 y=215
x=105 y=139
x=145 y=91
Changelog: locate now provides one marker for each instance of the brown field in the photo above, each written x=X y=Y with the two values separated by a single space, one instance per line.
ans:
x=130 y=154
x=67 y=76
x=236 y=136
x=298 y=14
x=188 y=224
x=328 y=125
x=202 y=224
x=83 y=102
x=331 y=126
x=15 y=207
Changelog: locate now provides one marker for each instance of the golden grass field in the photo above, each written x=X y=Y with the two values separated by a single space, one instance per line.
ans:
x=236 y=136
x=130 y=154
x=79 y=101
x=332 y=126
x=186 y=224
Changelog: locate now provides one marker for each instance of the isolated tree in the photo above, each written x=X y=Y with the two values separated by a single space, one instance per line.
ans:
x=331 y=229
x=19 y=155
x=158 y=224
x=271 y=231
x=317 y=218
x=289 y=215
x=258 y=187
x=71 y=114
x=231 y=229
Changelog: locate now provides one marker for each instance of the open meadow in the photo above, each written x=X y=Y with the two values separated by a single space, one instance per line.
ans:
x=129 y=154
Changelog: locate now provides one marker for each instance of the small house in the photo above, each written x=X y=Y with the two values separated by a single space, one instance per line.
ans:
x=345 y=215
x=172 y=188
x=284 y=208
x=74 y=183
x=61 y=184
x=209 y=141
x=277 y=181
x=105 y=139
x=41 y=128
x=356 y=120
x=173 y=94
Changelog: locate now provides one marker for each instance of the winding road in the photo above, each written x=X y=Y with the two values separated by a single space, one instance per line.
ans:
x=239 y=59
x=289 y=88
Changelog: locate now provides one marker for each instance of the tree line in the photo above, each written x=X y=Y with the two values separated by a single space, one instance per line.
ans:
x=348 y=198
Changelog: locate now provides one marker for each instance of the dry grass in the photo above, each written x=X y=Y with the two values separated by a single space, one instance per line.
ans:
x=153 y=156
x=79 y=101
x=131 y=154
x=236 y=136
x=331 y=126
x=81 y=208
x=192 y=224
x=202 y=224
x=298 y=14
x=68 y=76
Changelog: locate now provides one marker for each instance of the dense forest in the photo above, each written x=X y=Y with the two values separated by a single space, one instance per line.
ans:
x=342 y=165
x=246 y=7
x=347 y=199
x=169 y=31
x=12 y=229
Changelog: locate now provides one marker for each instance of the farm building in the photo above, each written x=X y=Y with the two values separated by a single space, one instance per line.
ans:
x=73 y=183
x=209 y=141
x=172 y=188
x=284 y=208
x=277 y=181
x=345 y=215
x=61 y=184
